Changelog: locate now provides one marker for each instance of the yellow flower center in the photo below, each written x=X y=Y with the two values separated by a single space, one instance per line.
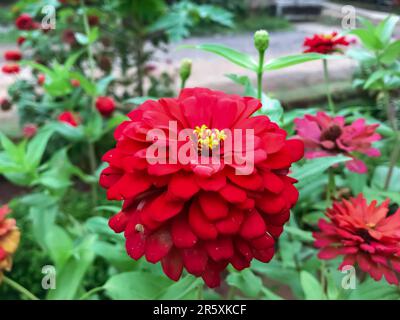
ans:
x=208 y=137
x=327 y=36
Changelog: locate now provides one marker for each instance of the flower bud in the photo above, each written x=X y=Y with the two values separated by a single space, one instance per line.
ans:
x=261 y=40
x=186 y=69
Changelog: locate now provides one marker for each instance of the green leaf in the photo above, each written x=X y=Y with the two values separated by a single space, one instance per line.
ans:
x=246 y=281
x=81 y=38
x=185 y=288
x=239 y=58
x=311 y=287
x=373 y=290
x=272 y=108
x=139 y=100
x=69 y=278
x=59 y=245
x=135 y=285
x=270 y=295
x=115 y=255
x=315 y=167
x=37 y=147
x=102 y=85
x=69 y=132
x=284 y=62
x=93 y=128
x=15 y=152
x=380 y=175
x=391 y=53
x=385 y=28
x=302 y=235
x=368 y=39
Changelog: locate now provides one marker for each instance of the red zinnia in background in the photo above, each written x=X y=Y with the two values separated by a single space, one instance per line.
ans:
x=21 y=40
x=29 y=130
x=69 y=118
x=13 y=55
x=326 y=43
x=366 y=235
x=105 y=105
x=9 y=239
x=326 y=136
x=25 y=22
x=200 y=217
x=10 y=68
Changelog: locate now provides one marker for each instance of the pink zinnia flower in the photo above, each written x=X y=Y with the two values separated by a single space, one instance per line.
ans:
x=365 y=234
x=326 y=136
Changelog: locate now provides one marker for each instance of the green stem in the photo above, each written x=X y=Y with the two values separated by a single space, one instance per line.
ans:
x=200 y=295
x=183 y=84
x=328 y=87
x=91 y=292
x=394 y=157
x=91 y=148
x=231 y=293
x=93 y=167
x=17 y=287
x=260 y=74
x=331 y=184
x=323 y=280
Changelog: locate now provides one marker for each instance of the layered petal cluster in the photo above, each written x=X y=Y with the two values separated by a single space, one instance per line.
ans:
x=365 y=234
x=326 y=43
x=9 y=240
x=326 y=136
x=200 y=215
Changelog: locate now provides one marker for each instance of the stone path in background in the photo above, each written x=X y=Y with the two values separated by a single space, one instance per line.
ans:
x=209 y=70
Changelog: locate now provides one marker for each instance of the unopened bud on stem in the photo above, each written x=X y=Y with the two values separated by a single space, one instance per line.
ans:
x=185 y=69
x=261 y=40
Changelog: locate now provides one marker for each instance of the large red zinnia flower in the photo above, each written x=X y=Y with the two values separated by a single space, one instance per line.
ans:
x=326 y=43
x=364 y=234
x=326 y=136
x=200 y=215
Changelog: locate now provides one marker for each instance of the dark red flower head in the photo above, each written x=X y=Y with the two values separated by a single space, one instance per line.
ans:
x=13 y=55
x=5 y=104
x=366 y=235
x=105 y=105
x=41 y=79
x=29 y=130
x=69 y=37
x=70 y=118
x=326 y=43
x=10 y=68
x=326 y=136
x=21 y=40
x=207 y=212
x=93 y=20
x=25 y=22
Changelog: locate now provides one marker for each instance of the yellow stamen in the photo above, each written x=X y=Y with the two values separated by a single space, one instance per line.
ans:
x=208 y=137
